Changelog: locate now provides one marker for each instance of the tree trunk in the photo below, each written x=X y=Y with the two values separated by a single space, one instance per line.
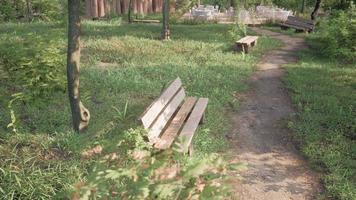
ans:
x=88 y=9
x=101 y=8
x=303 y=6
x=108 y=8
x=80 y=115
x=149 y=6
x=29 y=10
x=233 y=3
x=165 y=28
x=316 y=9
x=94 y=9
x=130 y=11
x=140 y=7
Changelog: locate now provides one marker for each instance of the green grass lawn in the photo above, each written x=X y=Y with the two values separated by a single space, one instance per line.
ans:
x=120 y=65
x=324 y=91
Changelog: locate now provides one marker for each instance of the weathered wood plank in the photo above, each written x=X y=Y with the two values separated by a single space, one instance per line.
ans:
x=247 y=40
x=174 y=127
x=161 y=121
x=251 y=39
x=294 y=26
x=187 y=133
x=307 y=21
x=242 y=40
x=156 y=107
x=146 y=21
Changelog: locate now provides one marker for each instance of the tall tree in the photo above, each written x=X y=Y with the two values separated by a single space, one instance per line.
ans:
x=316 y=9
x=129 y=13
x=165 y=29
x=80 y=115
x=29 y=10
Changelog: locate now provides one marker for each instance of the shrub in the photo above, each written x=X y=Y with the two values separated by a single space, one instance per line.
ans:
x=35 y=69
x=336 y=36
x=237 y=31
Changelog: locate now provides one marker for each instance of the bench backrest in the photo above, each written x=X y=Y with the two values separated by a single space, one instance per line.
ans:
x=158 y=114
x=307 y=21
x=309 y=24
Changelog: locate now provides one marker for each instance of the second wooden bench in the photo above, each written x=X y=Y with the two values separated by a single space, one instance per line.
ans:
x=245 y=43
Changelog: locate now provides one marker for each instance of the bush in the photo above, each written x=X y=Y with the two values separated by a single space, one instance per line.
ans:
x=336 y=36
x=237 y=31
x=35 y=69
x=41 y=9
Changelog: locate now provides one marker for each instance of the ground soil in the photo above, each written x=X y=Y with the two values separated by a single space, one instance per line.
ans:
x=260 y=137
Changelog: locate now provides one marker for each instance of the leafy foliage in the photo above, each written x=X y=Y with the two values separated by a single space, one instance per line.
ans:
x=35 y=69
x=40 y=9
x=148 y=174
x=237 y=31
x=336 y=36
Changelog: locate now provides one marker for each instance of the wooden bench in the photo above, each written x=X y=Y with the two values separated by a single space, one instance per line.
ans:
x=245 y=43
x=145 y=21
x=173 y=115
x=299 y=24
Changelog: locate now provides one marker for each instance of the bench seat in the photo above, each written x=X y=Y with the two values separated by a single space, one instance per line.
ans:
x=245 y=43
x=173 y=116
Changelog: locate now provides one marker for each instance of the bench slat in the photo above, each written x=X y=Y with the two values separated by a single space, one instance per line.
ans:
x=161 y=121
x=171 y=132
x=301 y=24
x=192 y=123
x=307 y=21
x=295 y=27
x=156 y=107
x=242 y=40
x=251 y=39
x=247 y=40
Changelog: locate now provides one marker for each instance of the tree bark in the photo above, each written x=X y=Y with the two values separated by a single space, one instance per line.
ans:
x=316 y=9
x=101 y=8
x=94 y=9
x=165 y=29
x=129 y=15
x=80 y=115
x=29 y=10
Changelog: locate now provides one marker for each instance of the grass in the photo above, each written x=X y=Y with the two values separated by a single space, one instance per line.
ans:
x=324 y=92
x=123 y=68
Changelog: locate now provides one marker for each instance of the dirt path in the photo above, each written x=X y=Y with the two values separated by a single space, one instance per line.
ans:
x=260 y=137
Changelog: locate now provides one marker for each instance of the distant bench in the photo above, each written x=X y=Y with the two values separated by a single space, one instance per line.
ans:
x=299 y=24
x=145 y=21
x=173 y=115
x=245 y=43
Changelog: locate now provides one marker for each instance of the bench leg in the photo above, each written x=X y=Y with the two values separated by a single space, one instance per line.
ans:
x=245 y=48
x=253 y=44
x=190 y=150
x=284 y=28
x=238 y=47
